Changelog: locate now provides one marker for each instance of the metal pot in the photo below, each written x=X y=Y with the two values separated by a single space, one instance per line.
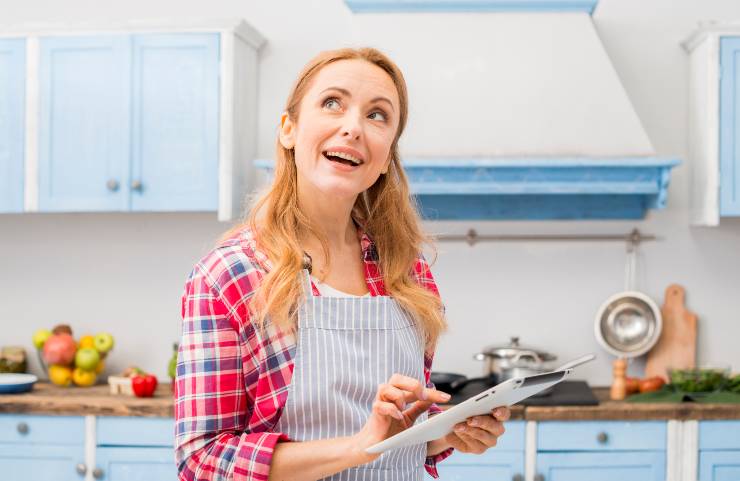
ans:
x=513 y=360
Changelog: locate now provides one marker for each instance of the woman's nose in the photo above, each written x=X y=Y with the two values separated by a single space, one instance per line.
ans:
x=352 y=127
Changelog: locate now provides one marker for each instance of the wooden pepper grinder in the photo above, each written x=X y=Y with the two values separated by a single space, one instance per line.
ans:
x=619 y=383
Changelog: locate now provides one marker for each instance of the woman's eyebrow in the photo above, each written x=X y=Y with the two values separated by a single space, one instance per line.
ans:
x=347 y=94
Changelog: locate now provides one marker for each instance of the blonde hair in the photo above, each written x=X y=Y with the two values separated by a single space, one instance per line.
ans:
x=385 y=210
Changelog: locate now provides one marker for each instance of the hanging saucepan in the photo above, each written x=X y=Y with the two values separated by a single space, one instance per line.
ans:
x=514 y=360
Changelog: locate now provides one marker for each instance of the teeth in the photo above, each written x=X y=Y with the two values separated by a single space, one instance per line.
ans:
x=342 y=155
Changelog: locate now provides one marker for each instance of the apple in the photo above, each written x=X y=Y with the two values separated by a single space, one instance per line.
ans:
x=40 y=337
x=87 y=359
x=103 y=342
x=60 y=349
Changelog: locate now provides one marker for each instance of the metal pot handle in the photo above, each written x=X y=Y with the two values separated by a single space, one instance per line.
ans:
x=530 y=354
x=481 y=356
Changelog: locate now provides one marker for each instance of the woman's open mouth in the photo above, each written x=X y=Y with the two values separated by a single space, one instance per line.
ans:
x=342 y=158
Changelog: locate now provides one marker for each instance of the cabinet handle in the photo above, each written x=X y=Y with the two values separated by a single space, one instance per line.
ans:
x=81 y=469
x=137 y=185
x=602 y=438
x=97 y=473
x=517 y=477
x=23 y=428
x=112 y=185
x=539 y=477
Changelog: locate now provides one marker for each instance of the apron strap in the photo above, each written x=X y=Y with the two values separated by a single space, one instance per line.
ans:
x=306 y=283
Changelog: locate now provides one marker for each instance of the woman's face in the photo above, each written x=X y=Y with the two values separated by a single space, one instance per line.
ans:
x=347 y=122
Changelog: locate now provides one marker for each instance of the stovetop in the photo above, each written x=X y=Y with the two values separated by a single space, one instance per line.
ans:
x=566 y=393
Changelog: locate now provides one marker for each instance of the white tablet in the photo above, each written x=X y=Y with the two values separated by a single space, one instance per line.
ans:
x=504 y=394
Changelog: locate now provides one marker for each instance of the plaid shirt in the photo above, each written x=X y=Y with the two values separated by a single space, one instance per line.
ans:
x=232 y=381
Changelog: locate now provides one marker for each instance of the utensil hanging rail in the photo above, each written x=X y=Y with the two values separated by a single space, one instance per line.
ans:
x=632 y=239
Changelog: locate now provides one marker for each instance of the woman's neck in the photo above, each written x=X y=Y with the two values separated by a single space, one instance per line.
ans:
x=330 y=216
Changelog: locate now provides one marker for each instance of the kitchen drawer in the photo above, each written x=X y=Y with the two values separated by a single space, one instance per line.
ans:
x=719 y=435
x=601 y=436
x=16 y=428
x=131 y=431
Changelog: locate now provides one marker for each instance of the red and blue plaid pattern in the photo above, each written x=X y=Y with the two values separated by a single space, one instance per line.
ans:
x=232 y=381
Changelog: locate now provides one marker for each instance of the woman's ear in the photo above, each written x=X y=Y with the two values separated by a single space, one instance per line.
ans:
x=287 y=131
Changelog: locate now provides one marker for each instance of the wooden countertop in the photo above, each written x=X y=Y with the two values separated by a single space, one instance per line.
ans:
x=49 y=399
x=46 y=398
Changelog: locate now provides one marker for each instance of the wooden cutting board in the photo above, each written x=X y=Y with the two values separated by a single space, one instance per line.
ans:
x=676 y=347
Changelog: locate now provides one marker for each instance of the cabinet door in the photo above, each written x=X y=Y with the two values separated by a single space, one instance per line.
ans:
x=38 y=461
x=729 y=133
x=136 y=464
x=175 y=122
x=12 y=123
x=604 y=466
x=493 y=465
x=719 y=465
x=84 y=127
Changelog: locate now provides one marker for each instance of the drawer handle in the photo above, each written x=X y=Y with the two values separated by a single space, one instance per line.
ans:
x=137 y=186
x=97 y=473
x=602 y=438
x=112 y=185
x=81 y=469
x=517 y=477
x=23 y=428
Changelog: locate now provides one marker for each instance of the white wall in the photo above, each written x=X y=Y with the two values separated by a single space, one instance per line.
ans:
x=124 y=273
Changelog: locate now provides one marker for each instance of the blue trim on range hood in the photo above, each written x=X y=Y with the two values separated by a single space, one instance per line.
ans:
x=536 y=188
x=420 y=6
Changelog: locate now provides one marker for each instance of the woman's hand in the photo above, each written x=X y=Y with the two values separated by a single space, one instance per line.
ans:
x=476 y=434
x=390 y=415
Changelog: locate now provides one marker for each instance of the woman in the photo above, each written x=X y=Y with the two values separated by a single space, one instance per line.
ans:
x=309 y=331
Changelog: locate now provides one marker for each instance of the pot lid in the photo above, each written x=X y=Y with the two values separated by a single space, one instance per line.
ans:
x=514 y=350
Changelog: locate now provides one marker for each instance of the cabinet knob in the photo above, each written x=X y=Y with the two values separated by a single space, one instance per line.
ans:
x=22 y=428
x=602 y=438
x=137 y=185
x=539 y=477
x=81 y=469
x=112 y=185
x=517 y=477
x=97 y=473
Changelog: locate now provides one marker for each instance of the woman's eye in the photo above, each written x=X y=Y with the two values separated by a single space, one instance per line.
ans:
x=329 y=101
x=382 y=115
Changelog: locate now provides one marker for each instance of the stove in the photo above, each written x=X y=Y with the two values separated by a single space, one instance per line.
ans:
x=566 y=393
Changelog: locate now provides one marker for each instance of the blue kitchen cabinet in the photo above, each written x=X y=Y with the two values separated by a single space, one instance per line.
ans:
x=719 y=450
x=12 y=123
x=83 y=131
x=604 y=450
x=133 y=449
x=501 y=463
x=41 y=447
x=729 y=130
x=175 y=122
x=129 y=123
x=135 y=464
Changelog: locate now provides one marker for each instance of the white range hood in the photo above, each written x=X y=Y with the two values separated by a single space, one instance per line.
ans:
x=516 y=114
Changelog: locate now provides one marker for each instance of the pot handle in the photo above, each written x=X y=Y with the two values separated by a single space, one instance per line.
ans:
x=481 y=356
x=530 y=354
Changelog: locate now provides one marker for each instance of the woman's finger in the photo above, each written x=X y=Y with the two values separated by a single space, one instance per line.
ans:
x=485 y=437
x=386 y=392
x=502 y=413
x=415 y=386
x=387 y=409
x=487 y=423
x=472 y=445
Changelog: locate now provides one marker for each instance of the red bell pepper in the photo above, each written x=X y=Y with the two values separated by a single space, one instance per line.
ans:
x=144 y=385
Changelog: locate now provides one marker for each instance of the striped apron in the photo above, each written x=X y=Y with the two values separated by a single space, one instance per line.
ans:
x=345 y=348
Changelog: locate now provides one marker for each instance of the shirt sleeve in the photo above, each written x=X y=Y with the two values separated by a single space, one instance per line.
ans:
x=212 y=406
x=424 y=277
